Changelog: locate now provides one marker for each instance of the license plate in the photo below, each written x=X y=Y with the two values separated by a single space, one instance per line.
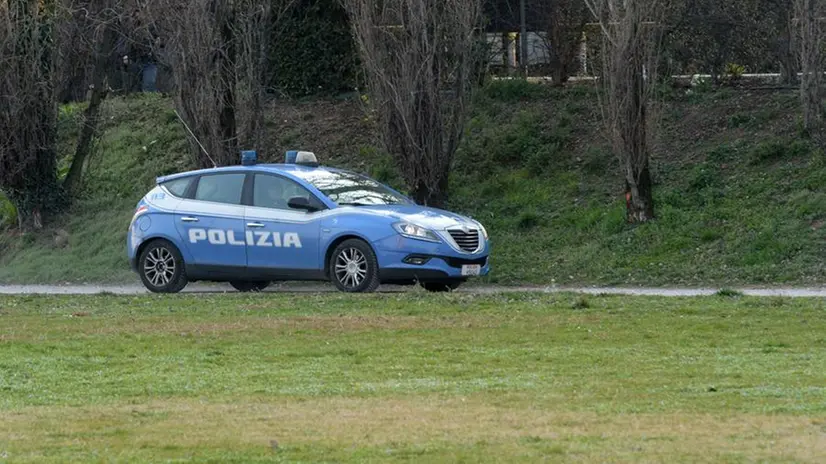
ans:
x=471 y=269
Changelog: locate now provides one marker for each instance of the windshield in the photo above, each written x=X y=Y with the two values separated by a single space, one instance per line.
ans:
x=350 y=189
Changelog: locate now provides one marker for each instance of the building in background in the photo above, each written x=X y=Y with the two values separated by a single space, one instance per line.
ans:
x=503 y=26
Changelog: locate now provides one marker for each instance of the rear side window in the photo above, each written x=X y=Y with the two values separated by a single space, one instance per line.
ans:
x=221 y=188
x=178 y=187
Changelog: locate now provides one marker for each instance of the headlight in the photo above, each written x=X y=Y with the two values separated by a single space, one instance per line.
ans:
x=413 y=231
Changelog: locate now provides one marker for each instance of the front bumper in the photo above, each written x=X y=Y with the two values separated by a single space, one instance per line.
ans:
x=443 y=263
x=132 y=241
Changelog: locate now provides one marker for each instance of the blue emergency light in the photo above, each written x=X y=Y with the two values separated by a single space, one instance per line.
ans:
x=291 y=155
x=249 y=157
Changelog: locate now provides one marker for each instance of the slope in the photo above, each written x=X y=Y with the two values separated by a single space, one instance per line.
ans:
x=740 y=196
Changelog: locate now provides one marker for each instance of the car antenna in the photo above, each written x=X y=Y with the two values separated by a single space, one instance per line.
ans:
x=196 y=139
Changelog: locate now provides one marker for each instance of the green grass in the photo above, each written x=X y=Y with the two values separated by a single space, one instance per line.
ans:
x=740 y=197
x=735 y=205
x=510 y=377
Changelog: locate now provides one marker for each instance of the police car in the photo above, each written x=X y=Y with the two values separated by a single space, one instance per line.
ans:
x=254 y=224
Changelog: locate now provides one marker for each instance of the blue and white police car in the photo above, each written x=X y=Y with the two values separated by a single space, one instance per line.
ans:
x=254 y=224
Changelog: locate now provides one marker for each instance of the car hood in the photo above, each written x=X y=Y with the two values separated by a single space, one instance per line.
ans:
x=431 y=218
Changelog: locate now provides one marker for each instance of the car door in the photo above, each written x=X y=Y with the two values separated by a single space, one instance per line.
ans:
x=283 y=242
x=211 y=222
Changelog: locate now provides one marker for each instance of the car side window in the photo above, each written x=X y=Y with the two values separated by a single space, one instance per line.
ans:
x=221 y=188
x=275 y=192
x=178 y=187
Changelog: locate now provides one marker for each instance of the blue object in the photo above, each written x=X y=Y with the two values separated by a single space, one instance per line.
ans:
x=275 y=222
x=249 y=157
x=149 y=78
x=290 y=157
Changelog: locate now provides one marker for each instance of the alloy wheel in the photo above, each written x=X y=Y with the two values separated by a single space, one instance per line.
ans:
x=351 y=267
x=159 y=267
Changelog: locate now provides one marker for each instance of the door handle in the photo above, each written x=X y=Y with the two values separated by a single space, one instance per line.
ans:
x=189 y=219
x=256 y=225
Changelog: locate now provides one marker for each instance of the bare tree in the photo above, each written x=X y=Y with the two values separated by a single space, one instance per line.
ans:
x=630 y=45
x=28 y=108
x=420 y=59
x=564 y=22
x=783 y=42
x=217 y=50
x=198 y=46
x=98 y=24
x=73 y=73
x=812 y=40
x=254 y=30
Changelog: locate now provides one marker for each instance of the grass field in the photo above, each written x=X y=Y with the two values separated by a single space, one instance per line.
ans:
x=414 y=377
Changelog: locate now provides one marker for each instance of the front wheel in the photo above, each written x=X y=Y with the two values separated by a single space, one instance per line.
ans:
x=162 y=268
x=354 y=268
x=441 y=286
x=246 y=286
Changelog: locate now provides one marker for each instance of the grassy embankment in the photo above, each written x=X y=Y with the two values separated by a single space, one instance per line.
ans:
x=515 y=378
x=741 y=198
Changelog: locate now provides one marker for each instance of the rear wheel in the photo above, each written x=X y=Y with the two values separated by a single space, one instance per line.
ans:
x=162 y=268
x=354 y=268
x=246 y=286
x=441 y=286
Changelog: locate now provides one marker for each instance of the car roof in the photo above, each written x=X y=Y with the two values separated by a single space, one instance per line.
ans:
x=291 y=170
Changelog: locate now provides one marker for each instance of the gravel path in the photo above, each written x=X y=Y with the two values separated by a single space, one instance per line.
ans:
x=793 y=292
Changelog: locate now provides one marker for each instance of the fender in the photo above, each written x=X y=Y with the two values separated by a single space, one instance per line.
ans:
x=188 y=258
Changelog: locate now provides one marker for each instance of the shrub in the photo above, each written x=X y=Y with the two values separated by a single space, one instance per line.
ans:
x=513 y=90
x=778 y=149
x=741 y=119
x=317 y=55
x=734 y=72
x=729 y=293
x=704 y=176
x=8 y=213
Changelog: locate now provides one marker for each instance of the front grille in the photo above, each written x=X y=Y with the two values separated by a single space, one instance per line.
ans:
x=467 y=241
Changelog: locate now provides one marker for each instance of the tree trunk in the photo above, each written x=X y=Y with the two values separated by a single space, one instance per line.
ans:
x=31 y=219
x=788 y=69
x=434 y=198
x=811 y=41
x=559 y=72
x=92 y=113
x=28 y=162
x=638 y=176
x=639 y=195
x=87 y=134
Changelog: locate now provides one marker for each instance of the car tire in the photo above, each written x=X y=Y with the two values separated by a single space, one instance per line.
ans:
x=441 y=286
x=247 y=286
x=353 y=267
x=162 y=268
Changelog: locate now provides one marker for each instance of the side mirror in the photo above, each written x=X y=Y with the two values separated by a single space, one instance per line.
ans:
x=302 y=203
